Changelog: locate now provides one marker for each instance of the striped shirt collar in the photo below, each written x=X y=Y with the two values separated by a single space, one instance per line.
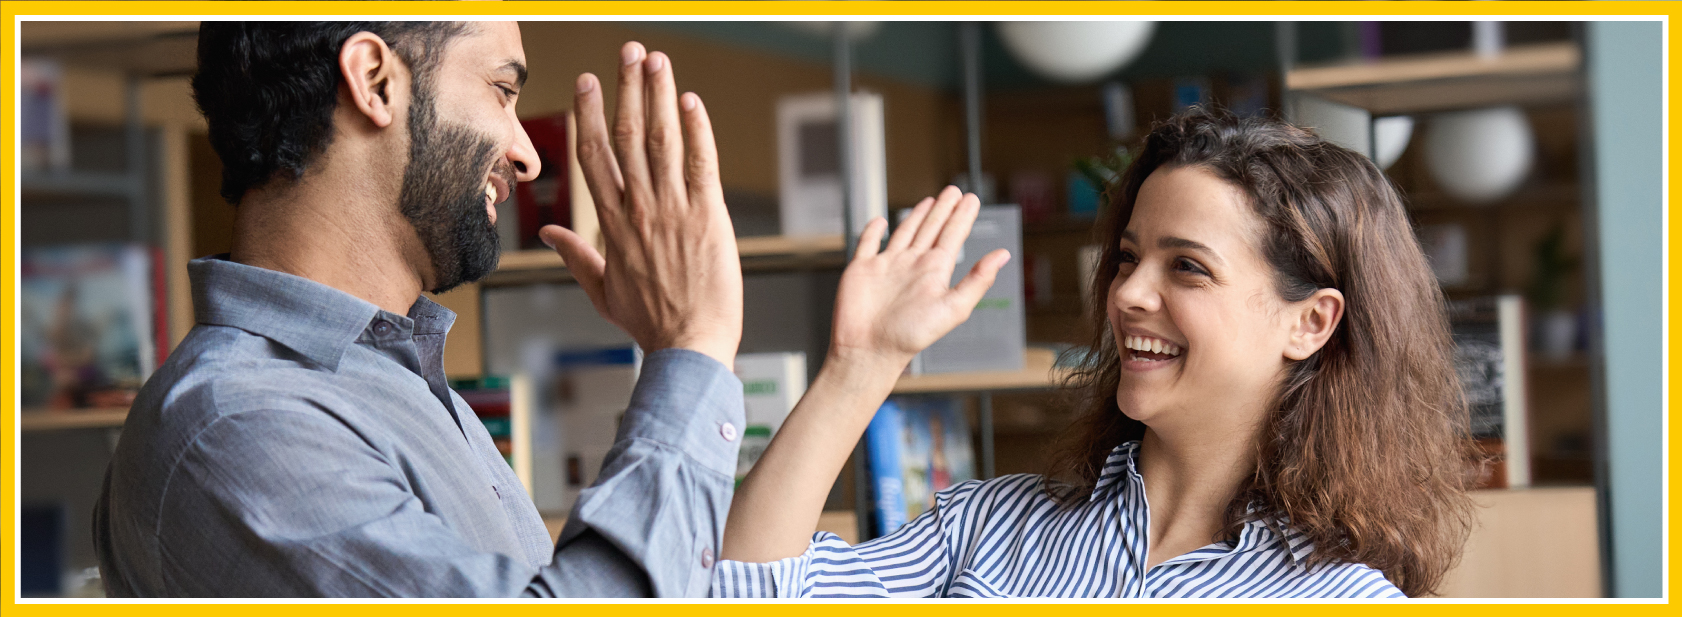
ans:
x=1123 y=464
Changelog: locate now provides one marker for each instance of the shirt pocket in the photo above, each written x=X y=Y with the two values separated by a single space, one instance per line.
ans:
x=971 y=584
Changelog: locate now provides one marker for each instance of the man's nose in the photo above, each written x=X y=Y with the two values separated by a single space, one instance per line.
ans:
x=523 y=156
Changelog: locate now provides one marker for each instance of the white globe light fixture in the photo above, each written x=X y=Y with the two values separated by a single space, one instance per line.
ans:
x=1482 y=155
x=1390 y=138
x=1075 y=51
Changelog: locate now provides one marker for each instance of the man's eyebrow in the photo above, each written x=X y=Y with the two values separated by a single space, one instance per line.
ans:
x=519 y=70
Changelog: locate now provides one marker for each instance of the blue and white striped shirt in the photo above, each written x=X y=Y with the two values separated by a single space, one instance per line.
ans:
x=1006 y=538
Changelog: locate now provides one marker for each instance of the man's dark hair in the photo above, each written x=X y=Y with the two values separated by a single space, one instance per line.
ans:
x=268 y=88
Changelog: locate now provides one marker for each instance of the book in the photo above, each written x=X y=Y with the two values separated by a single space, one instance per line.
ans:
x=914 y=448
x=44 y=125
x=809 y=163
x=89 y=324
x=502 y=404
x=1489 y=358
x=558 y=196
x=994 y=337
x=592 y=390
x=771 y=385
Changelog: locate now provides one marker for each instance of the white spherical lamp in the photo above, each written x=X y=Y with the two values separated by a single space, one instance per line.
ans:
x=1390 y=138
x=1482 y=155
x=1075 y=51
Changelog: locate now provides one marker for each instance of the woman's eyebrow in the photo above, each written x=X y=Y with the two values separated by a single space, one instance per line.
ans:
x=1176 y=242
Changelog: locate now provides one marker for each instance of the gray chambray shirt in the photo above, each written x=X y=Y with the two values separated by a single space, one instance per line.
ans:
x=303 y=442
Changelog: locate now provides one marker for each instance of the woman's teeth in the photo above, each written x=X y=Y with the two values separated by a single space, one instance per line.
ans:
x=1150 y=345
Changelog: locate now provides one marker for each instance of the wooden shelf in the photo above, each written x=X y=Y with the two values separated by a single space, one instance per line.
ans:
x=52 y=420
x=753 y=247
x=1038 y=371
x=1457 y=80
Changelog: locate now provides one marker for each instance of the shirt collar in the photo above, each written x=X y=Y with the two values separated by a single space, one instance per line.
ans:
x=310 y=318
x=1123 y=463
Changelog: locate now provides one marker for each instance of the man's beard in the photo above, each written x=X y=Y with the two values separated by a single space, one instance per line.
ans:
x=443 y=195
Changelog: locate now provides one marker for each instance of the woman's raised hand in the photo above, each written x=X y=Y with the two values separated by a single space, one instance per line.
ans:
x=893 y=302
x=898 y=300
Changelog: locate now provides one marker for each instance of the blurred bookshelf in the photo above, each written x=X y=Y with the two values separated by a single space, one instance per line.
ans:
x=52 y=420
x=1531 y=74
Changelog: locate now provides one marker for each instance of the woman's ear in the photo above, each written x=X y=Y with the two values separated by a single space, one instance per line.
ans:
x=371 y=72
x=1317 y=319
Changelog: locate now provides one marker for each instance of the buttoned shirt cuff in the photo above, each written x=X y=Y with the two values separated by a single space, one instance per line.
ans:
x=689 y=401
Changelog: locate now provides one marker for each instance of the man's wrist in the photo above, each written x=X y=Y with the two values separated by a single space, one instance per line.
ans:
x=723 y=352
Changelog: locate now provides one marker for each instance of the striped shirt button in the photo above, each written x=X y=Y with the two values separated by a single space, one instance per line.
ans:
x=706 y=558
x=727 y=431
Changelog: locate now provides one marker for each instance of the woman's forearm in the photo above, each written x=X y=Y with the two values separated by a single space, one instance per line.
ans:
x=776 y=509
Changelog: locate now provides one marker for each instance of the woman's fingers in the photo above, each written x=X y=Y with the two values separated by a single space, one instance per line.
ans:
x=969 y=290
x=908 y=228
x=957 y=228
x=943 y=205
x=628 y=126
x=595 y=154
x=700 y=169
x=665 y=137
x=870 y=240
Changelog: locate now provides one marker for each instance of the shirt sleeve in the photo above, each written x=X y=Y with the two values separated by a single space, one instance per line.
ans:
x=915 y=561
x=330 y=515
x=664 y=491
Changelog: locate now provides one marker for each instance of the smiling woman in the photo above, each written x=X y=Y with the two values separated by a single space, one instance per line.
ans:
x=1316 y=351
x=1272 y=369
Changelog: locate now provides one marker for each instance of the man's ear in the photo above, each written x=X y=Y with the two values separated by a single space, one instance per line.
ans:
x=1317 y=318
x=371 y=73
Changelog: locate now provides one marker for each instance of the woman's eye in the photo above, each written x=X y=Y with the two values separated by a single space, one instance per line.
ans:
x=1127 y=257
x=1186 y=265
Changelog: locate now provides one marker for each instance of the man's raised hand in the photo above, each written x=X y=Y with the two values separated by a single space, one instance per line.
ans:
x=671 y=276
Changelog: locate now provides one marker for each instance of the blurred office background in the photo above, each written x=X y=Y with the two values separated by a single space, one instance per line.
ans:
x=1529 y=154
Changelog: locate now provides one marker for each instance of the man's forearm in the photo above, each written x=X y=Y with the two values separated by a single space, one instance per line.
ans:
x=665 y=488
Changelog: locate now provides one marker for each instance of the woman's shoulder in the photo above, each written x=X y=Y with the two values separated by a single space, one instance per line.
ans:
x=1351 y=580
x=1011 y=487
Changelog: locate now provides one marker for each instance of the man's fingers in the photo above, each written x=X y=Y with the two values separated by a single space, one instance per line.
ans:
x=582 y=260
x=943 y=205
x=870 y=240
x=969 y=290
x=595 y=155
x=700 y=169
x=908 y=227
x=665 y=136
x=628 y=129
x=957 y=228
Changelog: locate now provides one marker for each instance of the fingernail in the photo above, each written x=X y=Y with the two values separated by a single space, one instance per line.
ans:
x=689 y=100
x=655 y=63
x=546 y=241
x=586 y=84
x=630 y=53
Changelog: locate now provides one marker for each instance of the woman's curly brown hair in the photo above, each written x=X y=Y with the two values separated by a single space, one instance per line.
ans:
x=1367 y=451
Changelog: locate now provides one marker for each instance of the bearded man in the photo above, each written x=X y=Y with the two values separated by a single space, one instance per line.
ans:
x=302 y=439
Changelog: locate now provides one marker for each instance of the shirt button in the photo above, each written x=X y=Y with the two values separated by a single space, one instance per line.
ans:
x=382 y=328
x=727 y=431
x=706 y=558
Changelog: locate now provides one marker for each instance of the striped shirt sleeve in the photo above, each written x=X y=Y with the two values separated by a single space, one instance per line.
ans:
x=912 y=562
